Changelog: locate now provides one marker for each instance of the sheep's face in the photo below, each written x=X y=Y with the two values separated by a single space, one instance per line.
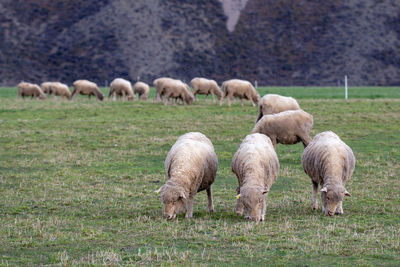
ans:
x=131 y=97
x=331 y=196
x=101 y=96
x=253 y=200
x=256 y=98
x=174 y=201
x=42 y=96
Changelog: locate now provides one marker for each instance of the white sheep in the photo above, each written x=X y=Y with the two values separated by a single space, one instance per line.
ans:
x=30 y=89
x=329 y=162
x=56 y=88
x=176 y=89
x=256 y=166
x=121 y=88
x=85 y=87
x=206 y=86
x=241 y=89
x=191 y=167
x=288 y=127
x=272 y=103
x=158 y=85
x=142 y=89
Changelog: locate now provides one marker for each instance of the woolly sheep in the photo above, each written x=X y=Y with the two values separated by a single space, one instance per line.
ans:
x=121 y=87
x=205 y=86
x=142 y=89
x=30 y=89
x=288 y=127
x=241 y=89
x=85 y=87
x=191 y=166
x=158 y=85
x=272 y=103
x=56 y=88
x=329 y=162
x=176 y=89
x=256 y=166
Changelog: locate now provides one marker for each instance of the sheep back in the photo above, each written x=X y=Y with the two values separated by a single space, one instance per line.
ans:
x=272 y=104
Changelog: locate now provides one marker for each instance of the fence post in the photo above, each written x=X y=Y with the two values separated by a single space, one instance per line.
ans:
x=255 y=84
x=345 y=87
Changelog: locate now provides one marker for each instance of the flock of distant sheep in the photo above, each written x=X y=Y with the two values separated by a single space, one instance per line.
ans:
x=166 y=89
x=192 y=164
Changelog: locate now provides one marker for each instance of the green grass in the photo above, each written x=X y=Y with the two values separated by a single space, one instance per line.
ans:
x=77 y=180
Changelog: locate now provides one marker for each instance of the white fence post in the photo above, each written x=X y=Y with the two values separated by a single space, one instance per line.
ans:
x=255 y=84
x=345 y=87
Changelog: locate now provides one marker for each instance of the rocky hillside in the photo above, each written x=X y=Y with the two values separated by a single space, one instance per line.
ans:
x=288 y=42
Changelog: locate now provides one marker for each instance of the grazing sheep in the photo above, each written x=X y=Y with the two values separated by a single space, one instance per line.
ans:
x=241 y=89
x=85 y=87
x=288 y=127
x=256 y=166
x=205 y=86
x=329 y=162
x=142 y=89
x=191 y=166
x=176 y=89
x=57 y=89
x=158 y=85
x=271 y=104
x=30 y=89
x=121 y=87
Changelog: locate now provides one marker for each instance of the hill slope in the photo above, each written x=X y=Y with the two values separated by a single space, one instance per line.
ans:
x=275 y=42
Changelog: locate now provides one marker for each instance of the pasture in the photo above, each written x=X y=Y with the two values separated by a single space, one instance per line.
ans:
x=77 y=180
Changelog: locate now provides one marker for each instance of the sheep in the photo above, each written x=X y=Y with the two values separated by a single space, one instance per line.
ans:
x=30 y=89
x=256 y=166
x=57 y=89
x=329 y=162
x=176 y=89
x=241 y=89
x=272 y=103
x=121 y=87
x=288 y=127
x=142 y=89
x=158 y=83
x=205 y=86
x=191 y=167
x=85 y=87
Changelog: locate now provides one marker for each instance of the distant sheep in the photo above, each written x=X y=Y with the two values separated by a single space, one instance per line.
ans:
x=56 y=88
x=142 y=89
x=121 y=88
x=272 y=104
x=288 y=127
x=30 y=89
x=191 y=166
x=256 y=166
x=176 y=89
x=329 y=162
x=205 y=86
x=85 y=87
x=158 y=85
x=241 y=89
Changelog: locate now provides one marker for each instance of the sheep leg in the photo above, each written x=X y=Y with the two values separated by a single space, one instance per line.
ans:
x=314 y=201
x=123 y=95
x=210 y=202
x=229 y=99
x=339 y=209
x=241 y=102
x=305 y=139
x=263 y=211
x=213 y=97
x=189 y=207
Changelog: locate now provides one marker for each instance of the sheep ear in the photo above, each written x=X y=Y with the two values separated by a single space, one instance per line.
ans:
x=265 y=191
x=238 y=196
x=346 y=193
x=324 y=189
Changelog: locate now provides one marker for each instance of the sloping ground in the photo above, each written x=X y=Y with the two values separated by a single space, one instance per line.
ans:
x=288 y=42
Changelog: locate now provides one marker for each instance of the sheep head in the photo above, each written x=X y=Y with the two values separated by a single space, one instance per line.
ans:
x=253 y=200
x=331 y=195
x=174 y=201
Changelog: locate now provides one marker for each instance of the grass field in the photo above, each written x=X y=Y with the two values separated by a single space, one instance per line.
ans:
x=77 y=180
